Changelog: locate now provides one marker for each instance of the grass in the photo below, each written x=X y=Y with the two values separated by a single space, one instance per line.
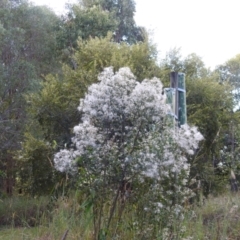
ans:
x=22 y=212
x=23 y=233
x=218 y=218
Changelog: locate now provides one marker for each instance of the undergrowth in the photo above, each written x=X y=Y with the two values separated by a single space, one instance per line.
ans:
x=217 y=218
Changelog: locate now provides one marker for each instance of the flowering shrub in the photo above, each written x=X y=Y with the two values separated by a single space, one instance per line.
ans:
x=127 y=134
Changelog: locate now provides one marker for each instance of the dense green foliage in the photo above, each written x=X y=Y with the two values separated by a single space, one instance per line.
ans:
x=47 y=63
x=27 y=51
x=25 y=31
x=93 y=18
x=122 y=14
x=229 y=72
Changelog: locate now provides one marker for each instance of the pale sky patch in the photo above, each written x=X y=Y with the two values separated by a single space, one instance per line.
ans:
x=209 y=28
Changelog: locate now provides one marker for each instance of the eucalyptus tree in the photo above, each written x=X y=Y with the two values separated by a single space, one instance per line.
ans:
x=209 y=106
x=230 y=72
x=93 y=18
x=27 y=50
x=84 y=22
x=192 y=65
x=122 y=12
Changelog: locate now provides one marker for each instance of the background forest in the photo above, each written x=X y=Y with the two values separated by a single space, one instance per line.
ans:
x=48 y=63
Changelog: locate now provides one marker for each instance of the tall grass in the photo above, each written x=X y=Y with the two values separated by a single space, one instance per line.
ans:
x=218 y=218
x=22 y=211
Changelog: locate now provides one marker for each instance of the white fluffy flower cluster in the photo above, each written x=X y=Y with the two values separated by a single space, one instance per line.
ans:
x=64 y=161
x=188 y=138
x=124 y=122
